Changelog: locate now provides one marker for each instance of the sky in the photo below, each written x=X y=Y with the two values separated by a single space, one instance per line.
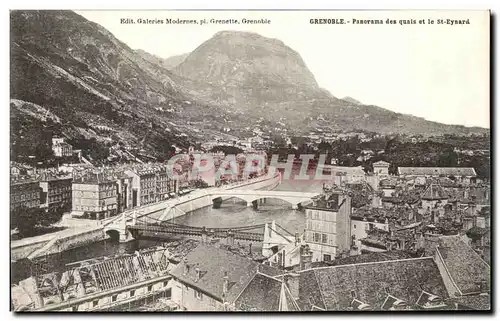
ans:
x=436 y=71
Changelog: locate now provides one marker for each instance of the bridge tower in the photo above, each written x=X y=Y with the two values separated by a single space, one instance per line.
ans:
x=125 y=235
x=273 y=239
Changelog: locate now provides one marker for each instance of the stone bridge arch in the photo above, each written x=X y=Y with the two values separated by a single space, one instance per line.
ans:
x=114 y=234
x=255 y=200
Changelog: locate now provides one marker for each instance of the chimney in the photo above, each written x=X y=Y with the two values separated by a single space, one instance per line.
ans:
x=225 y=284
x=186 y=266
x=305 y=258
x=292 y=282
x=198 y=274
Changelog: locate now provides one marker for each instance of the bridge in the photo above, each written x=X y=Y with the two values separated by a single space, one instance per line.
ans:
x=270 y=235
x=165 y=211
x=251 y=197
x=167 y=230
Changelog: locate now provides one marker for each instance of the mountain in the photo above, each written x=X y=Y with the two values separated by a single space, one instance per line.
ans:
x=79 y=72
x=249 y=73
x=261 y=76
x=71 y=77
x=174 y=61
x=168 y=63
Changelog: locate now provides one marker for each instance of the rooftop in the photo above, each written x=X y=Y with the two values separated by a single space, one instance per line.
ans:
x=434 y=192
x=433 y=171
x=366 y=258
x=265 y=293
x=329 y=200
x=465 y=267
x=213 y=264
x=334 y=288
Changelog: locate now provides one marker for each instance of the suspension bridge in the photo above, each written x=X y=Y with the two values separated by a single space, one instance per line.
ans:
x=161 y=230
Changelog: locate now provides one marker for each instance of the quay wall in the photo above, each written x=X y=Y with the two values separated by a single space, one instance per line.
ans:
x=21 y=251
x=76 y=240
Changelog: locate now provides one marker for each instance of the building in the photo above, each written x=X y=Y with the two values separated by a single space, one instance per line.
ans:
x=344 y=174
x=102 y=284
x=163 y=185
x=61 y=148
x=463 y=174
x=381 y=168
x=143 y=186
x=56 y=191
x=213 y=279
x=17 y=170
x=388 y=186
x=94 y=197
x=24 y=193
x=124 y=192
x=362 y=225
x=464 y=271
x=328 y=225
x=433 y=197
x=403 y=284
x=150 y=184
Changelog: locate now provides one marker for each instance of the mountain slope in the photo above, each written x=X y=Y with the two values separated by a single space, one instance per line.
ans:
x=168 y=63
x=85 y=76
x=352 y=100
x=174 y=61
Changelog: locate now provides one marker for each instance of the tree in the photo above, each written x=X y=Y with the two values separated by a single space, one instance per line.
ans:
x=25 y=219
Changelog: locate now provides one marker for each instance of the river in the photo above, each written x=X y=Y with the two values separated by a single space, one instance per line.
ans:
x=233 y=213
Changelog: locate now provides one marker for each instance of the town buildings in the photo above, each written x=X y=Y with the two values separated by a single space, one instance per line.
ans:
x=463 y=174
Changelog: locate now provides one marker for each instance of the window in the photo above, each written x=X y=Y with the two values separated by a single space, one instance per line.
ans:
x=113 y=298
x=198 y=295
x=317 y=237
x=165 y=283
x=354 y=225
x=132 y=293
x=95 y=303
x=327 y=257
x=324 y=238
x=150 y=287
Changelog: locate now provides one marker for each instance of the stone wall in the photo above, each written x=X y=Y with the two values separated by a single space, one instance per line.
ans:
x=22 y=251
